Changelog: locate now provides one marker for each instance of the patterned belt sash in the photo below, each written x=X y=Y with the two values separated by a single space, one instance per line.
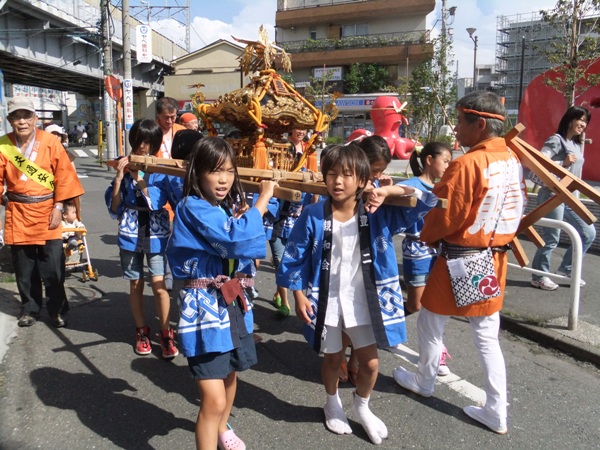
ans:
x=217 y=282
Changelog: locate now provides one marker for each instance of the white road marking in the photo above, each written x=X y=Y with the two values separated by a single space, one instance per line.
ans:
x=85 y=153
x=453 y=381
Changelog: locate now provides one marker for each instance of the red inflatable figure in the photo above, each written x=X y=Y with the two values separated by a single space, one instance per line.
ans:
x=387 y=116
x=542 y=108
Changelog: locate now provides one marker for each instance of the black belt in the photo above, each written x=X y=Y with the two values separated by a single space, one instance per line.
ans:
x=21 y=198
x=452 y=251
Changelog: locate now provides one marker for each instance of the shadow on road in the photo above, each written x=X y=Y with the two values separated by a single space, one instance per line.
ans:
x=102 y=406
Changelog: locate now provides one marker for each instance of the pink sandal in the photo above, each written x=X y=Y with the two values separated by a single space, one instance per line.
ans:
x=229 y=441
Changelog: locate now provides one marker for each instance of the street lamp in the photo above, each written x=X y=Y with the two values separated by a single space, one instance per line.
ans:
x=474 y=39
x=523 y=46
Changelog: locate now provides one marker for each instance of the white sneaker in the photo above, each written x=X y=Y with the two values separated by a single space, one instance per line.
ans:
x=480 y=415
x=582 y=283
x=545 y=284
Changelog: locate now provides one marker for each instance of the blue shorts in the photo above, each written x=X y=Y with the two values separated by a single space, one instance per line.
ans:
x=416 y=280
x=216 y=366
x=133 y=264
x=277 y=245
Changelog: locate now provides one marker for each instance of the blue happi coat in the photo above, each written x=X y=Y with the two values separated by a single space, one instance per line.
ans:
x=144 y=224
x=302 y=259
x=417 y=257
x=203 y=237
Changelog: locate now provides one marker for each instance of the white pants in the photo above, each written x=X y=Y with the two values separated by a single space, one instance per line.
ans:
x=430 y=328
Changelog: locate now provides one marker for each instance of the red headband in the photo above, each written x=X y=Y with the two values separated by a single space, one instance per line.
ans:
x=482 y=114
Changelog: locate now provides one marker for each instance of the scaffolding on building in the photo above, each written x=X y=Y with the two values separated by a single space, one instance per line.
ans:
x=520 y=41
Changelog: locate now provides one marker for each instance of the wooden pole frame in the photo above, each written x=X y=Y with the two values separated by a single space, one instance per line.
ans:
x=559 y=180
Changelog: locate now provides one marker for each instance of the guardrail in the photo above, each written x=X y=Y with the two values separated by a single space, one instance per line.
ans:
x=575 y=272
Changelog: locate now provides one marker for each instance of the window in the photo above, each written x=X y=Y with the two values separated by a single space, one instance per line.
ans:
x=355 y=29
x=312 y=33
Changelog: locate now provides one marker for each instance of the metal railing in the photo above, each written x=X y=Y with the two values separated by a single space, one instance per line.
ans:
x=284 y=5
x=370 y=40
x=575 y=272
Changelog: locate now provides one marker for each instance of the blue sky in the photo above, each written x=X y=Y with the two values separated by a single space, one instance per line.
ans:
x=219 y=19
x=223 y=10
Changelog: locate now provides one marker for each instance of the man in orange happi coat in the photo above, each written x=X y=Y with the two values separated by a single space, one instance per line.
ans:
x=166 y=115
x=39 y=177
x=486 y=198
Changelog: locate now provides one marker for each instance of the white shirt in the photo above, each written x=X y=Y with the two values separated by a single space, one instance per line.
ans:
x=347 y=296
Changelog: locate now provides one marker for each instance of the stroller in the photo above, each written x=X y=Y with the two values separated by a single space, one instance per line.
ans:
x=77 y=255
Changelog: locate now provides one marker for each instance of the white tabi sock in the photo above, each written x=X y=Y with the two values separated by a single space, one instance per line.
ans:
x=374 y=427
x=335 y=417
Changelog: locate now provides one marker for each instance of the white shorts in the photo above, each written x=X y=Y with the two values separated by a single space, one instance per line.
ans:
x=360 y=336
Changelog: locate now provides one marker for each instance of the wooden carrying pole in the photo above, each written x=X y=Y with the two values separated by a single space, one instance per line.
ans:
x=174 y=169
x=243 y=172
x=291 y=184
x=321 y=189
x=559 y=180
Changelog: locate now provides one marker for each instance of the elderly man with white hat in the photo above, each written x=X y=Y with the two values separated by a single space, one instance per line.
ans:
x=39 y=177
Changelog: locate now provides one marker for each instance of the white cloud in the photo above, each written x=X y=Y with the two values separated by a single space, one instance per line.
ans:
x=205 y=31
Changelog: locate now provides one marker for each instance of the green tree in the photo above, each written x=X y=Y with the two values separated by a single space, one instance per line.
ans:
x=432 y=89
x=575 y=47
x=366 y=78
x=320 y=88
x=422 y=107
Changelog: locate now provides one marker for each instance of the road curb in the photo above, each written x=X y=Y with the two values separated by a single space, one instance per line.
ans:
x=552 y=339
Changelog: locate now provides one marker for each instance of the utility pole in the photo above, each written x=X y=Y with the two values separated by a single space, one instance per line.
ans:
x=108 y=102
x=443 y=54
x=127 y=82
x=187 y=28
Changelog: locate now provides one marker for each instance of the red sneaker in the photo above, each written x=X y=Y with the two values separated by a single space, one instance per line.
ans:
x=167 y=342
x=142 y=341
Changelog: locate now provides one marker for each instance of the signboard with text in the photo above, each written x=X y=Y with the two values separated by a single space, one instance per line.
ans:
x=331 y=73
x=351 y=104
x=128 y=103
x=143 y=43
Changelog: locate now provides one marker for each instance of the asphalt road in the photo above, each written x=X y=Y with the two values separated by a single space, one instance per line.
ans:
x=83 y=387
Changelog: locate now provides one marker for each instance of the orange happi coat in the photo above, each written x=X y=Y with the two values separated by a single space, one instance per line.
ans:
x=474 y=185
x=27 y=223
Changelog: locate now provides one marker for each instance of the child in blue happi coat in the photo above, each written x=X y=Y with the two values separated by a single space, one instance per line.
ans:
x=212 y=231
x=341 y=265
x=428 y=165
x=137 y=200
x=287 y=215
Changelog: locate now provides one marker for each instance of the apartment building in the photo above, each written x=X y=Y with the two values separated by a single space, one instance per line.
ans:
x=338 y=33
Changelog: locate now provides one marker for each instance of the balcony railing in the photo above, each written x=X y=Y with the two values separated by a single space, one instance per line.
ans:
x=284 y=5
x=371 y=40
